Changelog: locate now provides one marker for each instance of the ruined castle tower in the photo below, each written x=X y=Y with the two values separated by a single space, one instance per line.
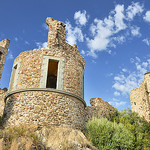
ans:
x=140 y=98
x=47 y=84
x=3 y=52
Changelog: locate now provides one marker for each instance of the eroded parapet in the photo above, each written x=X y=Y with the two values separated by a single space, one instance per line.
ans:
x=5 y=43
x=56 y=34
x=3 y=52
x=99 y=108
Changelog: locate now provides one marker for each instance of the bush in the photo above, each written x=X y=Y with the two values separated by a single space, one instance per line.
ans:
x=106 y=135
x=138 y=126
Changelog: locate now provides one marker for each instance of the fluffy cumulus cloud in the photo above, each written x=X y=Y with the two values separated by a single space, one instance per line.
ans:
x=81 y=18
x=74 y=34
x=146 y=41
x=135 y=31
x=124 y=82
x=133 y=10
x=117 y=103
x=41 y=45
x=105 y=33
x=147 y=16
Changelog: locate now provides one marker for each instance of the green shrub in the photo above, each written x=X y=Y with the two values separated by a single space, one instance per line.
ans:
x=138 y=126
x=106 y=135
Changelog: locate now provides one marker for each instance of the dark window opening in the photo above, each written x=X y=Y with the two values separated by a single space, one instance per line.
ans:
x=52 y=74
x=1 y=55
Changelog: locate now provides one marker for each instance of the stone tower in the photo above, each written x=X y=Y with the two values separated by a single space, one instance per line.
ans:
x=3 y=52
x=140 y=98
x=47 y=84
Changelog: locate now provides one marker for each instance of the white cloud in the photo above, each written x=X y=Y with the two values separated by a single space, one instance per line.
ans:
x=41 y=45
x=146 y=41
x=82 y=52
x=124 y=70
x=147 y=16
x=16 y=39
x=27 y=43
x=116 y=93
x=135 y=31
x=81 y=18
x=10 y=55
x=117 y=103
x=45 y=26
x=118 y=17
x=104 y=31
x=73 y=34
x=133 y=10
x=124 y=82
x=119 y=39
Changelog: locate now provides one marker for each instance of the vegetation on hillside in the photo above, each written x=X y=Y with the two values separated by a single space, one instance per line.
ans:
x=123 y=130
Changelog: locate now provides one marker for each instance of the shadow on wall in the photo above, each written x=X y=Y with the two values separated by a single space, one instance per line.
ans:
x=8 y=109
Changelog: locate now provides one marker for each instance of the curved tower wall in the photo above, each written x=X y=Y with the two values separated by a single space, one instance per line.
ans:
x=32 y=99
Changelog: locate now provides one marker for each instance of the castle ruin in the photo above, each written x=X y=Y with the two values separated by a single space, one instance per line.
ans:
x=140 y=98
x=47 y=86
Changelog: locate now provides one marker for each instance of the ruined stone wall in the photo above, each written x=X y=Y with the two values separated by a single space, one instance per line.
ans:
x=29 y=101
x=99 y=108
x=2 y=95
x=140 y=99
x=3 y=52
x=44 y=109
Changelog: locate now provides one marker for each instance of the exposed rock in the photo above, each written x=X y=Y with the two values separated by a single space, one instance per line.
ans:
x=53 y=138
x=61 y=138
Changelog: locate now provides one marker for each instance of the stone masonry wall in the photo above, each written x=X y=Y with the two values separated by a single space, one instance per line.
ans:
x=99 y=108
x=3 y=52
x=44 y=109
x=2 y=95
x=140 y=99
x=45 y=106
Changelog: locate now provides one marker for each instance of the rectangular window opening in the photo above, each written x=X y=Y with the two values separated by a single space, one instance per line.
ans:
x=52 y=74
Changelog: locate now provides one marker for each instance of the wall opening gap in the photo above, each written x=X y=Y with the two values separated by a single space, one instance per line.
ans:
x=1 y=55
x=52 y=74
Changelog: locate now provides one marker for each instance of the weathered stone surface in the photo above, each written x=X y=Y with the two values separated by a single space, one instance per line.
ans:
x=60 y=138
x=44 y=109
x=140 y=98
x=3 y=52
x=29 y=101
x=2 y=95
x=99 y=108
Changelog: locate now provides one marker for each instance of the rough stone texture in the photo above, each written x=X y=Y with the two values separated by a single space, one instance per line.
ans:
x=99 y=108
x=3 y=52
x=28 y=101
x=44 y=109
x=47 y=108
x=140 y=98
x=2 y=95
x=60 y=138
x=53 y=138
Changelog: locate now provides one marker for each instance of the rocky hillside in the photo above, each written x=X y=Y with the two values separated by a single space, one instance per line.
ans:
x=33 y=138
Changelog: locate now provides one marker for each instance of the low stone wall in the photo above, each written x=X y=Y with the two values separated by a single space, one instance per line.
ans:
x=2 y=95
x=44 y=108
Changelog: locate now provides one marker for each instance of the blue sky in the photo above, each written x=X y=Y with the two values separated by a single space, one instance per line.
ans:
x=113 y=37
